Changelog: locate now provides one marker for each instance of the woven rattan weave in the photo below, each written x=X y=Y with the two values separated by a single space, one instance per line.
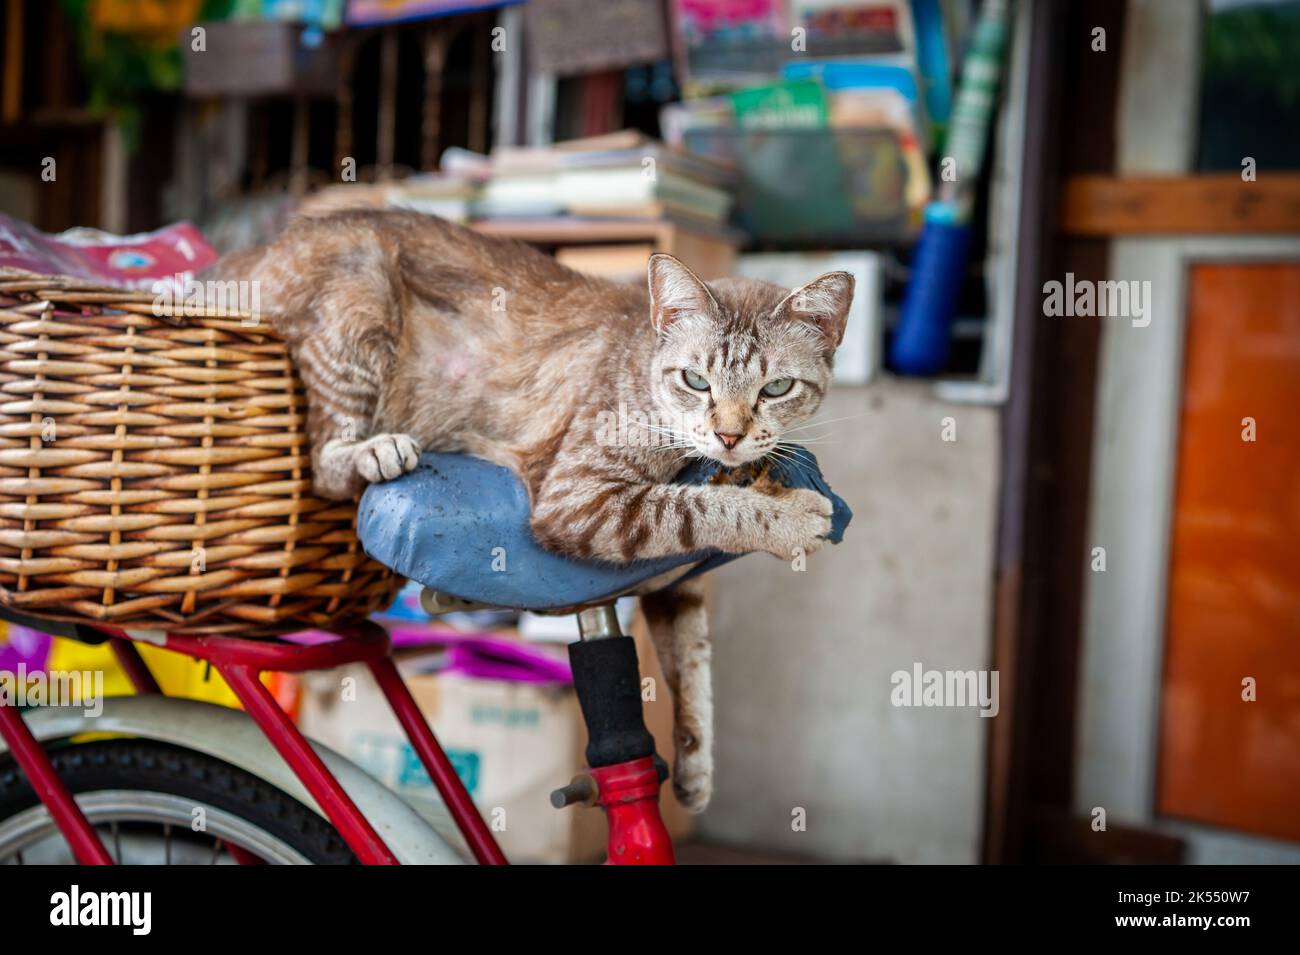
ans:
x=155 y=473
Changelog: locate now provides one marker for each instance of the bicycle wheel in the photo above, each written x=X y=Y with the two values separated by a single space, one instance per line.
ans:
x=153 y=803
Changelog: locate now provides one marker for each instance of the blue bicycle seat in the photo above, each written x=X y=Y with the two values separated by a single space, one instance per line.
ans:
x=460 y=525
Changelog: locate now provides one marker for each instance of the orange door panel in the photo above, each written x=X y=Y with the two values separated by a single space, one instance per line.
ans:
x=1234 y=587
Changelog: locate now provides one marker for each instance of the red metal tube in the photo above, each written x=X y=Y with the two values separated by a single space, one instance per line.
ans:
x=629 y=794
x=306 y=764
x=366 y=642
x=436 y=764
x=72 y=822
x=240 y=661
x=133 y=665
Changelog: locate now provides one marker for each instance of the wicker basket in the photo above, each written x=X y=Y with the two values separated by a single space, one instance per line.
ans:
x=156 y=475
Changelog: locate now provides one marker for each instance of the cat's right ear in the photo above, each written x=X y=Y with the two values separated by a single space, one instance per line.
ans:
x=675 y=292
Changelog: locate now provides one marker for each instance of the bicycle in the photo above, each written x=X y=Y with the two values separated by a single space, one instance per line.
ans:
x=168 y=762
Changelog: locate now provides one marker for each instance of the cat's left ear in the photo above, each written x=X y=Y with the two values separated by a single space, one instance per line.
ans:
x=823 y=302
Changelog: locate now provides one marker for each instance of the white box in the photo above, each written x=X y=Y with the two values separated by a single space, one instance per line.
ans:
x=858 y=358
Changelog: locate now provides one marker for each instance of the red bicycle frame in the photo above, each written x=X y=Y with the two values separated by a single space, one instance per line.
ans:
x=628 y=792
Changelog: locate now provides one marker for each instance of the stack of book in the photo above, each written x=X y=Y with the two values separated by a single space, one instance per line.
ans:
x=624 y=175
x=619 y=176
x=450 y=196
x=601 y=205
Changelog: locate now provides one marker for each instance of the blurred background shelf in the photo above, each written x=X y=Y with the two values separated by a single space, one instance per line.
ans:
x=819 y=188
x=711 y=253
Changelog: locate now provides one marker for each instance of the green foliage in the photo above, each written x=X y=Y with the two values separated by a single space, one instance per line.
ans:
x=120 y=67
x=1254 y=48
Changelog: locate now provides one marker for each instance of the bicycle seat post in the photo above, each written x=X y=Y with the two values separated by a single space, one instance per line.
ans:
x=624 y=776
x=599 y=623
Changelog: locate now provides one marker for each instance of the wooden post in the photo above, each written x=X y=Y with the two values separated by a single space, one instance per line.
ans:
x=343 y=122
x=435 y=43
x=13 y=75
x=299 y=147
x=386 y=134
x=480 y=83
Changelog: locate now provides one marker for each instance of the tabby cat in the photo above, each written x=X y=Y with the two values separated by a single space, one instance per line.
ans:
x=412 y=334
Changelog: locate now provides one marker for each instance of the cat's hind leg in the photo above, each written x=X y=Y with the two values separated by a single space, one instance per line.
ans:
x=679 y=629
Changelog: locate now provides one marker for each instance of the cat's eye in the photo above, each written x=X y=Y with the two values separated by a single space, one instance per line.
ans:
x=775 y=389
x=698 y=382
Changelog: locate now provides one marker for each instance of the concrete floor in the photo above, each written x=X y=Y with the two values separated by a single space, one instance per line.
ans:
x=712 y=853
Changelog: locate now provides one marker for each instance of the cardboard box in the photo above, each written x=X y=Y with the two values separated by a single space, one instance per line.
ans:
x=511 y=744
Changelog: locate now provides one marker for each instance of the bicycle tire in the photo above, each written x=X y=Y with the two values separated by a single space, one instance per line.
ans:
x=149 y=766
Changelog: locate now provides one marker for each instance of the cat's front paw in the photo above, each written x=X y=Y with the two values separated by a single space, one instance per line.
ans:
x=803 y=522
x=386 y=456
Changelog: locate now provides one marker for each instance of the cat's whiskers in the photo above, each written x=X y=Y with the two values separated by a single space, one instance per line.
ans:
x=802 y=460
x=789 y=454
x=680 y=440
x=792 y=450
x=801 y=439
x=817 y=423
x=660 y=429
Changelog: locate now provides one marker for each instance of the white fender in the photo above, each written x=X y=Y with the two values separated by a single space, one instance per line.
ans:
x=232 y=737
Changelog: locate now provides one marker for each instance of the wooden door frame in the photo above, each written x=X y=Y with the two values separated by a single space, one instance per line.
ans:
x=1046 y=618
x=1135 y=449
x=1044 y=489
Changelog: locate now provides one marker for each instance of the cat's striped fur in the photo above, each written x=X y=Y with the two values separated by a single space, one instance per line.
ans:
x=412 y=333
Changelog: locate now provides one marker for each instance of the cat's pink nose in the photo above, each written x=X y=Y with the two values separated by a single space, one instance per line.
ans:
x=729 y=441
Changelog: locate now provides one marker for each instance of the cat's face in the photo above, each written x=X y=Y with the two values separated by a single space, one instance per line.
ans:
x=741 y=362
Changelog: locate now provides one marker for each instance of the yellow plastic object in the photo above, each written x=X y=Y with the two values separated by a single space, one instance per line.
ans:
x=177 y=675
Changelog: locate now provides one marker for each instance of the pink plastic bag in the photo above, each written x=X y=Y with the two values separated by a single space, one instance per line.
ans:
x=130 y=261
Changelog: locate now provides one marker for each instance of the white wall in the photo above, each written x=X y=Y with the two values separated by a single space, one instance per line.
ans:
x=802 y=661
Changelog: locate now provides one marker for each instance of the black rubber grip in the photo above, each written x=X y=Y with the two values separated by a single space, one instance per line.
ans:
x=608 y=682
